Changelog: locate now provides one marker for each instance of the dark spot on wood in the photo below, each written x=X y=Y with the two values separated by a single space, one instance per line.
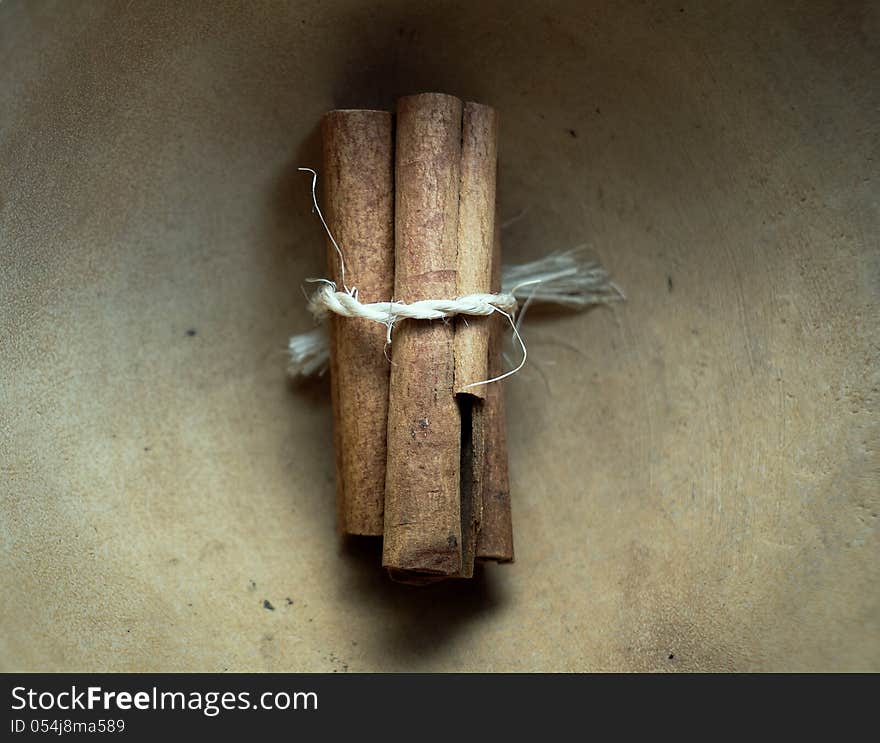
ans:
x=669 y=284
x=289 y=601
x=423 y=423
x=572 y=133
x=452 y=540
x=598 y=110
x=191 y=332
x=268 y=605
x=252 y=586
x=671 y=656
x=146 y=448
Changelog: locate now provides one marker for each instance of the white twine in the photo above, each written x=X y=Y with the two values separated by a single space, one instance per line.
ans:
x=566 y=279
x=346 y=304
x=309 y=353
x=327 y=299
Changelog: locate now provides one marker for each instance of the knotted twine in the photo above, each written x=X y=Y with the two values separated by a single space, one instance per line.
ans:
x=565 y=279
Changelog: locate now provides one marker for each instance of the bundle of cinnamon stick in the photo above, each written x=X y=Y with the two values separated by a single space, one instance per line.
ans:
x=421 y=456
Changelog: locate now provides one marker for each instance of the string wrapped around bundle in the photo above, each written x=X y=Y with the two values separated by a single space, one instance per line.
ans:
x=414 y=344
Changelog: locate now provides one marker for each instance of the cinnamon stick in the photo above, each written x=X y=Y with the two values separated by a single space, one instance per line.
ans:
x=437 y=437
x=359 y=204
x=476 y=222
x=495 y=539
x=476 y=227
x=422 y=499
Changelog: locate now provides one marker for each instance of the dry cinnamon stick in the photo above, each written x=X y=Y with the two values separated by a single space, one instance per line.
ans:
x=476 y=221
x=422 y=499
x=495 y=539
x=359 y=205
x=437 y=437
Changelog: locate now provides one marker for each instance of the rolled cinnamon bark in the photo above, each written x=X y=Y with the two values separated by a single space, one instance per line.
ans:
x=476 y=232
x=358 y=183
x=422 y=498
x=495 y=538
x=437 y=427
x=476 y=222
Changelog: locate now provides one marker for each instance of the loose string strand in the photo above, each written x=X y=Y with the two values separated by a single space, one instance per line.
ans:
x=326 y=228
x=327 y=299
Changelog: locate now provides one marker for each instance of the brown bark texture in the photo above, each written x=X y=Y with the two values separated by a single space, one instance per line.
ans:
x=358 y=183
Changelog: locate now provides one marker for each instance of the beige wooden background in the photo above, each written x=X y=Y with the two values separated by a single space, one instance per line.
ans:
x=695 y=473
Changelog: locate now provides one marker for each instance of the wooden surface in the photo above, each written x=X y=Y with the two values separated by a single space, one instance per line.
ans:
x=694 y=474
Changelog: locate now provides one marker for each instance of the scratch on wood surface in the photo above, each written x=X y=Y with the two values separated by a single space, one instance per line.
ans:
x=741 y=307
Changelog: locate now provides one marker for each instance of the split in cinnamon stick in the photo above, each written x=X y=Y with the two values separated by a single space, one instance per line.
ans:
x=358 y=183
